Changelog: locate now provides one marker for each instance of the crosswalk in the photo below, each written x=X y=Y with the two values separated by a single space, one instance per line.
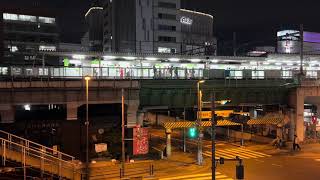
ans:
x=203 y=176
x=233 y=152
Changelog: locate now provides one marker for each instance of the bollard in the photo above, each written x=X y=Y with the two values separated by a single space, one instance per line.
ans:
x=152 y=169
x=240 y=170
x=121 y=173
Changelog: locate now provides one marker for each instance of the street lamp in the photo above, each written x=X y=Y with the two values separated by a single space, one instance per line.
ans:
x=87 y=79
x=199 y=156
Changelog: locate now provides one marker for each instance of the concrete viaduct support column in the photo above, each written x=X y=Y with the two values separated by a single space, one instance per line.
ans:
x=134 y=118
x=168 y=147
x=7 y=113
x=300 y=132
x=72 y=111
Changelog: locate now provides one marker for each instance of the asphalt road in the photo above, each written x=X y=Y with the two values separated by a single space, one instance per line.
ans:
x=281 y=165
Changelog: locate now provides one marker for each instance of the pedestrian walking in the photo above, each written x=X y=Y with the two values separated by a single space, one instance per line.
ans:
x=295 y=143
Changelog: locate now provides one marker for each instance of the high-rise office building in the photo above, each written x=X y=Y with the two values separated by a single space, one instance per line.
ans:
x=26 y=32
x=154 y=26
x=94 y=19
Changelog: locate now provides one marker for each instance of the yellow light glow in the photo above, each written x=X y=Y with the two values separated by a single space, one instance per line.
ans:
x=87 y=78
x=202 y=81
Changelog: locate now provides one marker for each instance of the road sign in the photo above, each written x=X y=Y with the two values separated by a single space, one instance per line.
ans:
x=102 y=147
x=205 y=114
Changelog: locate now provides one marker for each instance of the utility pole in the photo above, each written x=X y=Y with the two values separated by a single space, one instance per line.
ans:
x=184 y=131
x=301 y=49
x=199 y=123
x=234 y=44
x=213 y=137
x=122 y=125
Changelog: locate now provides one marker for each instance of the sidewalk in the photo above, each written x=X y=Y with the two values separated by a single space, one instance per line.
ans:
x=178 y=164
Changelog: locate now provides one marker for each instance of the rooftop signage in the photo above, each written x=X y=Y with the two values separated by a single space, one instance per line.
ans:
x=186 y=20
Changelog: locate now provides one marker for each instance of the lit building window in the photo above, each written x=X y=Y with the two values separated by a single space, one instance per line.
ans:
x=286 y=74
x=166 y=50
x=257 y=74
x=47 y=48
x=13 y=48
x=7 y=16
x=27 y=18
x=16 y=17
x=47 y=20
x=312 y=74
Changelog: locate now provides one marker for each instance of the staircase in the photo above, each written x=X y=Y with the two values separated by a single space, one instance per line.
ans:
x=33 y=155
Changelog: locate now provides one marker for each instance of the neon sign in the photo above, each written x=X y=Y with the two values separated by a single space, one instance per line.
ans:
x=186 y=20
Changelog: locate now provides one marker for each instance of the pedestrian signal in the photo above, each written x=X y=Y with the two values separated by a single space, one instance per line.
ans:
x=192 y=132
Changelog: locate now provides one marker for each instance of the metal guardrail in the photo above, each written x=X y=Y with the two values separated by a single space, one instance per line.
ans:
x=35 y=146
x=29 y=157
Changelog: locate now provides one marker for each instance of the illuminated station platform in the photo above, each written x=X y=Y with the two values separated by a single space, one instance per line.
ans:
x=151 y=66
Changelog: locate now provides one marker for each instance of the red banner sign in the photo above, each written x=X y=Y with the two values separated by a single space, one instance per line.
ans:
x=140 y=141
x=314 y=120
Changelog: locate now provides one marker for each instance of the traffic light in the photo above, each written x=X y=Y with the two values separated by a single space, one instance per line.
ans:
x=221 y=160
x=193 y=132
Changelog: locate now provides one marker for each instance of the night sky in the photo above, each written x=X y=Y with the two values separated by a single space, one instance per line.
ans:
x=253 y=20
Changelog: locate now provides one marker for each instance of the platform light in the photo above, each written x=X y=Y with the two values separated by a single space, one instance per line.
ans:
x=109 y=57
x=129 y=58
x=278 y=64
x=124 y=64
x=265 y=63
x=195 y=60
x=151 y=58
x=271 y=60
x=253 y=62
x=174 y=59
x=78 y=56
x=314 y=62
x=76 y=62
x=214 y=61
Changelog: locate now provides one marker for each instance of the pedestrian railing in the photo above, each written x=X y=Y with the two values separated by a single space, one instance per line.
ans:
x=29 y=72
x=31 y=154
x=35 y=146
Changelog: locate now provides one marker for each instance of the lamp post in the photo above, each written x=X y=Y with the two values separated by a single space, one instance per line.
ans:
x=123 y=133
x=87 y=79
x=199 y=155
